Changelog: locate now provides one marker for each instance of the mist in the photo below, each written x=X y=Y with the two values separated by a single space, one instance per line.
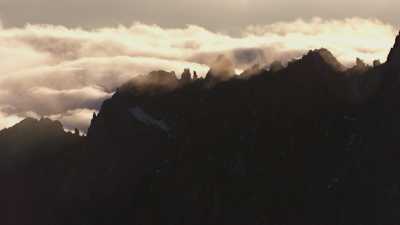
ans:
x=66 y=73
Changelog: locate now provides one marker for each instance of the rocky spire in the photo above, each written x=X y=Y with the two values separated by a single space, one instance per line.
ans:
x=359 y=67
x=77 y=132
x=186 y=75
x=394 y=54
x=377 y=62
x=323 y=57
x=360 y=62
x=391 y=77
x=195 y=76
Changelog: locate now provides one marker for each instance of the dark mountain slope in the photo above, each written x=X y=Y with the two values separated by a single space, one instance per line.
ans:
x=292 y=147
x=35 y=158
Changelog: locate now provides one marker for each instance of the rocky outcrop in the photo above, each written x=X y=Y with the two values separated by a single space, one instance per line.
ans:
x=186 y=75
x=323 y=57
x=195 y=76
x=376 y=63
x=360 y=67
x=155 y=82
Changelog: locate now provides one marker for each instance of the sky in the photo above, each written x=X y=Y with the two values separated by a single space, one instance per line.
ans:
x=221 y=15
x=61 y=59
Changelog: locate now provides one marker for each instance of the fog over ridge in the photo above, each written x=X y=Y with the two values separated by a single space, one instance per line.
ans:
x=65 y=73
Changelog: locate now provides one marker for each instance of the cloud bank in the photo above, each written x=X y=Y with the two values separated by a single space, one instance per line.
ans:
x=65 y=73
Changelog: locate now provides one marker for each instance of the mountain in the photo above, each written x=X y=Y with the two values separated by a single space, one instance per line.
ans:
x=31 y=139
x=394 y=53
x=34 y=160
x=156 y=81
x=233 y=153
x=310 y=143
x=323 y=58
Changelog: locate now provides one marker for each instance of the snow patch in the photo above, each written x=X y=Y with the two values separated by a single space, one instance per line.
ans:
x=147 y=119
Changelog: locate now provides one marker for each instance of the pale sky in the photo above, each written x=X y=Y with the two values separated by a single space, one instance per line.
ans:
x=216 y=15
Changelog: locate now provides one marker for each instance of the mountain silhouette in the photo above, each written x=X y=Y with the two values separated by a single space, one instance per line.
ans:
x=394 y=53
x=309 y=143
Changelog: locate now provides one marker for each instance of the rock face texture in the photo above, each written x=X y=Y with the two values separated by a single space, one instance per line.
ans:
x=310 y=143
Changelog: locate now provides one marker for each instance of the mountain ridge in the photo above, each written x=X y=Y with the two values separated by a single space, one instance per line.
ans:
x=304 y=144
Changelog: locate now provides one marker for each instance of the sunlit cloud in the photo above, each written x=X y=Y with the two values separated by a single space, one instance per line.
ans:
x=8 y=120
x=77 y=118
x=66 y=73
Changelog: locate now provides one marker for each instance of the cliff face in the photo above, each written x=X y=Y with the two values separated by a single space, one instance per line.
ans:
x=311 y=143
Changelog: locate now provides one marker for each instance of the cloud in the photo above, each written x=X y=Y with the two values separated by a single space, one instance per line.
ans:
x=77 y=118
x=65 y=73
x=7 y=120
x=368 y=39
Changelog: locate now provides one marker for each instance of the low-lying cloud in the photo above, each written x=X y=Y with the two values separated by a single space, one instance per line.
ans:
x=66 y=73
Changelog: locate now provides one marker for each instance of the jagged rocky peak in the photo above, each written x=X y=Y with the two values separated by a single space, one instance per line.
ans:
x=377 y=62
x=394 y=54
x=46 y=123
x=94 y=116
x=360 y=63
x=34 y=125
x=323 y=55
x=186 y=75
x=161 y=76
x=159 y=80
x=359 y=67
x=53 y=124
x=77 y=132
